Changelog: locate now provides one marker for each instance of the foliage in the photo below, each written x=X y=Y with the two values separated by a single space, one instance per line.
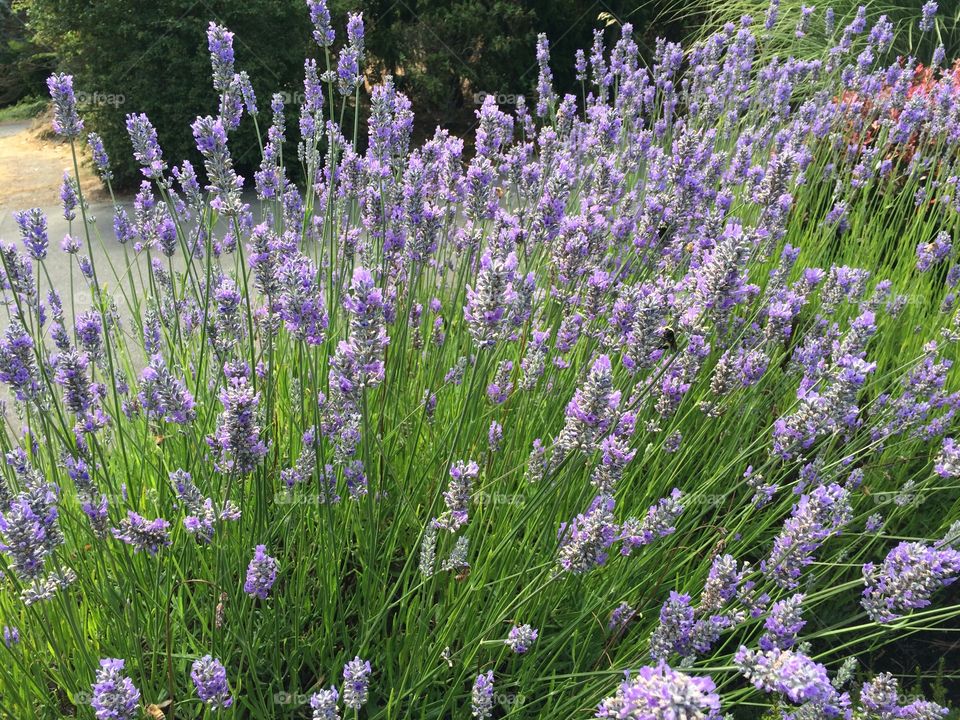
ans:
x=445 y=56
x=23 y=68
x=136 y=57
x=661 y=383
x=701 y=17
x=25 y=109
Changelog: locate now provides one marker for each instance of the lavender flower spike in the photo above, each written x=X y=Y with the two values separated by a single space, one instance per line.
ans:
x=356 y=683
x=660 y=692
x=521 y=638
x=261 y=573
x=114 y=695
x=146 y=148
x=324 y=704
x=143 y=534
x=481 y=702
x=320 y=17
x=210 y=679
x=225 y=184
x=368 y=334
x=907 y=578
x=237 y=443
x=457 y=496
x=33 y=231
x=66 y=121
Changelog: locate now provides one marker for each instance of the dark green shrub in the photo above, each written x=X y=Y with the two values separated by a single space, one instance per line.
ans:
x=152 y=57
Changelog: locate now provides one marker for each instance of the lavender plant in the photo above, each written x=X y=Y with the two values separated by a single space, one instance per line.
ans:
x=645 y=410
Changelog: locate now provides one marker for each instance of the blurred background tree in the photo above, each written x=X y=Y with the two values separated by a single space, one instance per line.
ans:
x=23 y=66
x=152 y=57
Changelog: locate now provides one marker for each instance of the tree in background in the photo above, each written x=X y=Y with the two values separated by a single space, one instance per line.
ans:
x=23 y=67
x=151 y=57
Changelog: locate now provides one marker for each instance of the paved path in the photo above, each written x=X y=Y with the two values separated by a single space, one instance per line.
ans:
x=31 y=171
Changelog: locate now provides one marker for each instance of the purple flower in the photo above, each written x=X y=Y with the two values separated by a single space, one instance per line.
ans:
x=201 y=516
x=722 y=583
x=795 y=677
x=947 y=464
x=546 y=97
x=301 y=300
x=324 y=704
x=356 y=478
x=30 y=532
x=481 y=697
x=66 y=122
x=880 y=697
x=261 y=573
x=457 y=495
x=368 y=334
x=907 y=578
x=356 y=683
x=100 y=159
x=164 y=396
x=622 y=614
x=225 y=184
x=11 y=636
x=928 y=17
x=770 y=20
x=521 y=638
x=591 y=412
x=220 y=44
x=237 y=443
x=355 y=31
x=585 y=541
x=146 y=148
x=33 y=231
x=814 y=519
x=89 y=329
x=114 y=695
x=660 y=692
x=930 y=253
x=320 y=17
x=210 y=679
x=122 y=228
x=348 y=69
x=69 y=196
x=783 y=624
x=490 y=299
x=500 y=387
x=659 y=522
x=143 y=534
x=494 y=436
x=18 y=365
x=71 y=375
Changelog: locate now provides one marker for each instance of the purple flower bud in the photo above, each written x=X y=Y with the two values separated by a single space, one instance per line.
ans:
x=114 y=695
x=356 y=683
x=261 y=573
x=210 y=679
x=66 y=122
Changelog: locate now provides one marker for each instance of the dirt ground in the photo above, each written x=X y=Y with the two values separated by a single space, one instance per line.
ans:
x=31 y=167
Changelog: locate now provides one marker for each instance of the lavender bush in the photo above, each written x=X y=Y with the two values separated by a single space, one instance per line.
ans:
x=659 y=382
